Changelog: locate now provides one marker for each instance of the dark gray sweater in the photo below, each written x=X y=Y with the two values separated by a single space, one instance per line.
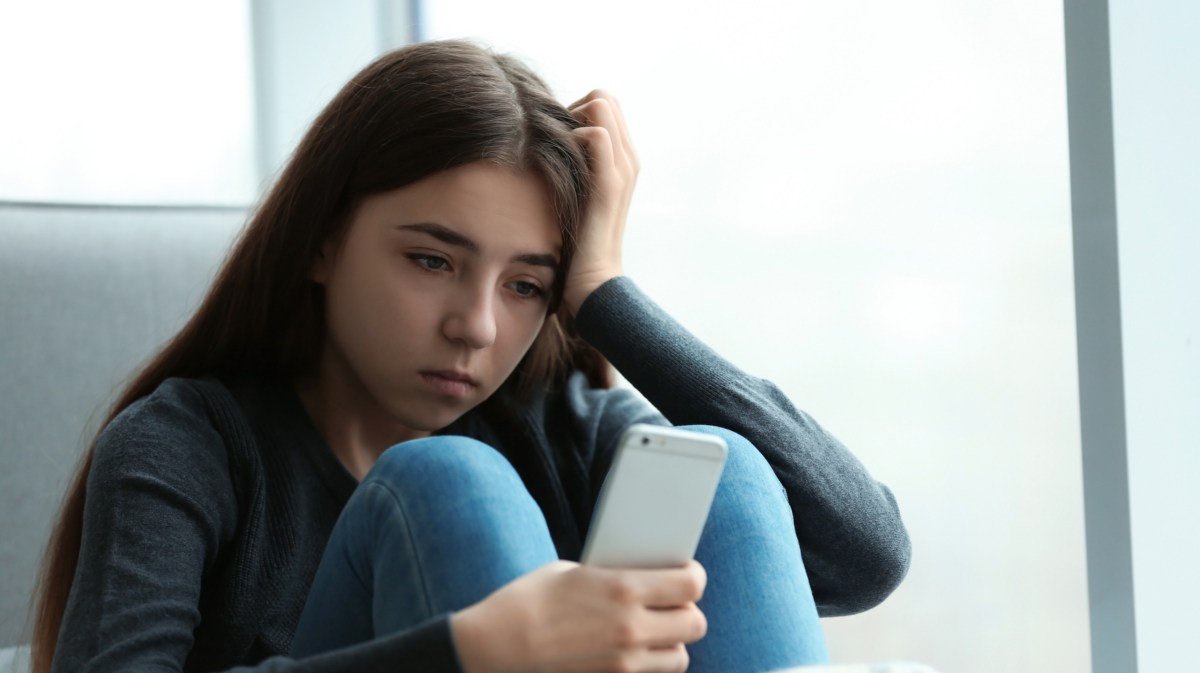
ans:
x=209 y=502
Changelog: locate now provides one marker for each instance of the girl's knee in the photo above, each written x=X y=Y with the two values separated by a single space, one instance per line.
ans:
x=743 y=461
x=439 y=461
x=748 y=488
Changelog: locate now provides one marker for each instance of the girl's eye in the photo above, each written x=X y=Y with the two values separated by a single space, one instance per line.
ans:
x=527 y=289
x=429 y=262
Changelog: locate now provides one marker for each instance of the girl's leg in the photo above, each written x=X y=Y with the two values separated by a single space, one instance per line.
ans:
x=760 y=609
x=437 y=525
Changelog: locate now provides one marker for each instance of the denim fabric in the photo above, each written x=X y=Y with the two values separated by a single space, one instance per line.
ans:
x=760 y=609
x=441 y=522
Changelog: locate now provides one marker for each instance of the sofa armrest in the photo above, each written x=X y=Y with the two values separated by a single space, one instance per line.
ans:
x=14 y=659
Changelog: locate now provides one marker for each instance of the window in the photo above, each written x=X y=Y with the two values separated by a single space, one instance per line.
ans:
x=135 y=102
x=876 y=197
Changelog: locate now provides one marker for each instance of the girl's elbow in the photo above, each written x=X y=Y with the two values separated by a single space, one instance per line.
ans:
x=867 y=581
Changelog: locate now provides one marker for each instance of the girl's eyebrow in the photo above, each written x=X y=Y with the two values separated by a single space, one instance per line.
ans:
x=450 y=237
x=533 y=259
x=444 y=234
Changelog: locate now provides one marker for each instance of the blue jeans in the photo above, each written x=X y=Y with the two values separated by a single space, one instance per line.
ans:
x=439 y=523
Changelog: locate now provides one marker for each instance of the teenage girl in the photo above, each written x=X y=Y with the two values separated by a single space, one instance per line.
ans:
x=377 y=444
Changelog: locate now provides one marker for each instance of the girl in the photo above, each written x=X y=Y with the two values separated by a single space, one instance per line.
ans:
x=438 y=270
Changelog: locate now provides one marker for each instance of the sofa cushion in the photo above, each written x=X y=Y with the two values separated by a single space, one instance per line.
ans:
x=86 y=293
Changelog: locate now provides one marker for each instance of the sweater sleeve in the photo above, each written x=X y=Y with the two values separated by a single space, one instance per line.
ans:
x=856 y=549
x=160 y=505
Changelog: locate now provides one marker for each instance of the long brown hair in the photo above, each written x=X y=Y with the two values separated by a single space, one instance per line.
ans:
x=412 y=113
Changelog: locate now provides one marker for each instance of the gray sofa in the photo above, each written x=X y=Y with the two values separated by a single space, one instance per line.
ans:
x=86 y=293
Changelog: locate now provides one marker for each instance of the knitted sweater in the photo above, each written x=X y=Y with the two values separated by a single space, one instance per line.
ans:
x=210 y=502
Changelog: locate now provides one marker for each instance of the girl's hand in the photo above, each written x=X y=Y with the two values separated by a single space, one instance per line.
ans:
x=569 y=618
x=614 y=168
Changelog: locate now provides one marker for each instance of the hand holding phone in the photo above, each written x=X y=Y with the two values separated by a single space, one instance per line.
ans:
x=652 y=507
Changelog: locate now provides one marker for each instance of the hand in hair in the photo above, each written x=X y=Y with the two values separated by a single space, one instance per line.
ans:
x=614 y=167
x=582 y=619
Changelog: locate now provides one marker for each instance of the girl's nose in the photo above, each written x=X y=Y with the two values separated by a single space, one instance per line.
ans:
x=471 y=320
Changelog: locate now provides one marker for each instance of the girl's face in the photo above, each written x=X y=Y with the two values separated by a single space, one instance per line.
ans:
x=436 y=293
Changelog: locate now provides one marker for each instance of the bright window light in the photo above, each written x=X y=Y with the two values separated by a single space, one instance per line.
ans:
x=130 y=101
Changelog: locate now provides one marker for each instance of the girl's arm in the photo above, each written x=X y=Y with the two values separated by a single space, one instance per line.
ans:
x=856 y=549
x=160 y=509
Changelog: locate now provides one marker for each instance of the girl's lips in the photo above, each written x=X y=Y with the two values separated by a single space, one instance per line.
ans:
x=449 y=384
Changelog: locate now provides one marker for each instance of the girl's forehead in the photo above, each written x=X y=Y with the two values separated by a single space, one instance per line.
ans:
x=485 y=202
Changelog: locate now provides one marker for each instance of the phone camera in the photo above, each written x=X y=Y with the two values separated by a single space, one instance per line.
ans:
x=645 y=441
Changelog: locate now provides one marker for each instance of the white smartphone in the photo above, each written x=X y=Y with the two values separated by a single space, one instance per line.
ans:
x=655 y=499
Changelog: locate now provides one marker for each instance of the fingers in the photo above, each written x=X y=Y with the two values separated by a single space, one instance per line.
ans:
x=600 y=109
x=652 y=608
x=667 y=660
x=667 y=587
x=590 y=96
x=564 y=616
x=604 y=112
x=667 y=628
x=660 y=605
x=600 y=150
x=646 y=629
